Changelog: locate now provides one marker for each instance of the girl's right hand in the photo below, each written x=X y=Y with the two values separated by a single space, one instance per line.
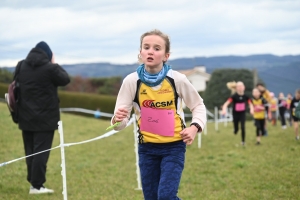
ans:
x=120 y=115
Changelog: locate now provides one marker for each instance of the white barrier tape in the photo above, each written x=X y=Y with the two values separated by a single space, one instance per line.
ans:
x=207 y=112
x=112 y=132
x=190 y=115
x=85 y=111
x=69 y=144
x=220 y=120
x=9 y=162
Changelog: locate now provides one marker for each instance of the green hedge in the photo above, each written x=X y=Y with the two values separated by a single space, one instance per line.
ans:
x=79 y=100
x=88 y=101
x=3 y=89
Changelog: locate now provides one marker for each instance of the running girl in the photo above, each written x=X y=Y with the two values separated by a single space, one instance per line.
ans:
x=266 y=95
x=273 y=107
x=294 y=104
x=239 y=101
x=259 y=104
x=282 y=106
x=155 y=91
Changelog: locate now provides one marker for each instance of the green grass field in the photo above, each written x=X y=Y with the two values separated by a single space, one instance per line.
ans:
x=105 y=169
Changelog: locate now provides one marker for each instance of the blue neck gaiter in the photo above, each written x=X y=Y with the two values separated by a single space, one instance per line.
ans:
x=152 y=79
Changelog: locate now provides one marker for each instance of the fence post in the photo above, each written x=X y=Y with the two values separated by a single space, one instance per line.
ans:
x=226 y=117
x=216 y=119
x=199 y=140
x=63 y=161
x=138 y=173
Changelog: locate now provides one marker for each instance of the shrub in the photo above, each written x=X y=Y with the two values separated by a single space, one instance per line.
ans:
x=89 y=101
x=3 y=89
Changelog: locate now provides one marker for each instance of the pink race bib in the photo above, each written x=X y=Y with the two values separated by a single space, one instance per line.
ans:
x=158 y=121
x=240 y=107
x=283 y=103
x=258 y=109
x=273 y=107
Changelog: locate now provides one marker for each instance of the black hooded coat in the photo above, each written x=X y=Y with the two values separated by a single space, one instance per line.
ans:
x=38 y=107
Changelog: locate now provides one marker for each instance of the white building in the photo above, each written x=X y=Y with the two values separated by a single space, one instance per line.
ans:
x=198 y=77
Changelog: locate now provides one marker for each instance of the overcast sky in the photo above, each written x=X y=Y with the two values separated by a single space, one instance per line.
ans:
x=82 y=31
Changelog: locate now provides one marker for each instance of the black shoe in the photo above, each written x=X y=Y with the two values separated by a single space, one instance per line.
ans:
x=257 y=143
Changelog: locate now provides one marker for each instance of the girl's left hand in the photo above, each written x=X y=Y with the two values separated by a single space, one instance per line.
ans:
x=188 y=134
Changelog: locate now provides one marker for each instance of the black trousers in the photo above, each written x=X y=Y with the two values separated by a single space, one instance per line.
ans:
x=36 y=165
x=239 y=117
x=282 y=116
x=260 y=126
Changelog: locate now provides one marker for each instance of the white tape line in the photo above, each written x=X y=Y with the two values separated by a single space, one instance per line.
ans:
x=90 y=140
x=68 y=144
x=112 y=132
x=6 y=163
x=207 y=112
x=85 y=111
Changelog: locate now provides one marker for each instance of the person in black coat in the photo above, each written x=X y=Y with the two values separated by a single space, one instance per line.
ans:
x=38 y=110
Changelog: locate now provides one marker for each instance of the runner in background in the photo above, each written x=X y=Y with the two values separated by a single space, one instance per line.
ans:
x=259 y=104
x=273 y=107
x=294 y=104
x=239 y=101
x=282 y=106
x=266 y=95
x=288 y=101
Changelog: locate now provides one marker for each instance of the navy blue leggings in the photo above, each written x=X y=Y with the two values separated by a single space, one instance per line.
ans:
x=161 y=166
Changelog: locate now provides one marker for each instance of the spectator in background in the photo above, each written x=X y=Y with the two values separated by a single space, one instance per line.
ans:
x=38 y=110
x=282 y=106
x=273 y=107
x=97 y=113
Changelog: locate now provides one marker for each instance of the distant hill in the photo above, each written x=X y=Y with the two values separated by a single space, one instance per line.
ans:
x=280 y=73
x=282 y=79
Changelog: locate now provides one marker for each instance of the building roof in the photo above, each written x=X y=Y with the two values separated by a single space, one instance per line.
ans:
x=196 y=70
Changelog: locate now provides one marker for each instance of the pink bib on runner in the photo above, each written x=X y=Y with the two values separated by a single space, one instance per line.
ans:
x=258 y=109
x=273 y=107
x=240 y=107
x=157 y=121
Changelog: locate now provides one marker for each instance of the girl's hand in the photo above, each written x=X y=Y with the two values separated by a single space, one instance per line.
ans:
x=223 y=112
x=120 y=115
x=188 y=134
x=251 y=111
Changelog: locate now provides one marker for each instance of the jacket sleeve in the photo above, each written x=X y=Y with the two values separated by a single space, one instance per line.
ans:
x=59 y=76
x=125 y=99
